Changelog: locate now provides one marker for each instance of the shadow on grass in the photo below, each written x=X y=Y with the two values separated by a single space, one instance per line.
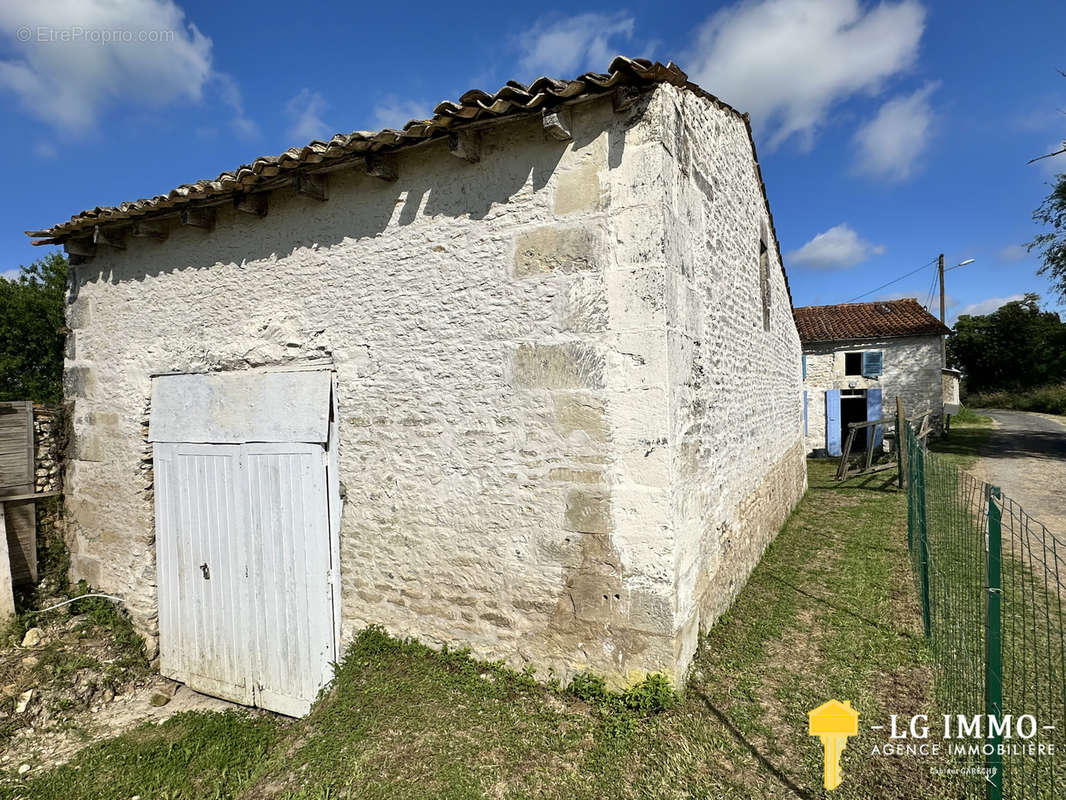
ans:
x=766 y=764
x=842 y=609
x=885 y=481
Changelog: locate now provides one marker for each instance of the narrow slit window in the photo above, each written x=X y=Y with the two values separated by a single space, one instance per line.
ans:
x=764 y=280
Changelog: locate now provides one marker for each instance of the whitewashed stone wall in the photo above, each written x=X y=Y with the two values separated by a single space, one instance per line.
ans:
x=911 y=369
x=524 y=472
x=736 y=461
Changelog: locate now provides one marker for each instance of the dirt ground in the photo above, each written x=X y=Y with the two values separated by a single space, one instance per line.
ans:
x=68 y=682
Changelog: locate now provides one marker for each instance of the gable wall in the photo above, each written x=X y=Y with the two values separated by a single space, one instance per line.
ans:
x=735 y=444
x=910 y=369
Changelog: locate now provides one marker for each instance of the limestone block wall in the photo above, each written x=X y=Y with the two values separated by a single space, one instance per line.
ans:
x=735 y=458
x=911 y=369
x=508 y=337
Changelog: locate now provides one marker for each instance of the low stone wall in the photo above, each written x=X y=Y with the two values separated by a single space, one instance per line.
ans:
x=47 y=474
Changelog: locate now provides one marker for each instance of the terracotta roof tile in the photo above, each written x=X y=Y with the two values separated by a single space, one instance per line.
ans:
x=882 y=319
x=512 y=99
x=474 y=106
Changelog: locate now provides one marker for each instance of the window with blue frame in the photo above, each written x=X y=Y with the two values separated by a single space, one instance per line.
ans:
x=865 y=363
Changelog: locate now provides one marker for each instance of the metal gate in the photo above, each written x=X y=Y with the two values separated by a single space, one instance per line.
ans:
x=245 y=544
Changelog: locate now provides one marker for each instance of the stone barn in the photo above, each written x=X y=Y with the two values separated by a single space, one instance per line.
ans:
x=857 y=358
x=522 y=377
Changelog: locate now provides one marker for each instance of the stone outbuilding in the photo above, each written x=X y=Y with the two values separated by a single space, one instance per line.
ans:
x=857 y=358
x=522 y=377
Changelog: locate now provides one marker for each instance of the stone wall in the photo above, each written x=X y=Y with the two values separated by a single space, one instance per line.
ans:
x=911 y=368
x=46 y=433
x=508 y=338
x=736 y=465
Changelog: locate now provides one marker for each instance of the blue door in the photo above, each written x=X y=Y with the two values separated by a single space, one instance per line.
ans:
x=873 y=411
x=832 y=422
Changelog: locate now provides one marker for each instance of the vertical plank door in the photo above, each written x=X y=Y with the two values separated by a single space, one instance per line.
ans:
x=289 y=574
x=832 y=422
x=201 y=550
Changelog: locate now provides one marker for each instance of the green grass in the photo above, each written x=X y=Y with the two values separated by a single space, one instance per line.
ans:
x=190 y=756
x=829 y=612
x=1046 y=399
x=962 y=445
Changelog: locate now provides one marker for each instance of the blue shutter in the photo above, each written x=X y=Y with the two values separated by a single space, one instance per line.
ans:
x=871 y=363
x=832 y=422
x=873 y=411
x=804 y=412
x=805 y=366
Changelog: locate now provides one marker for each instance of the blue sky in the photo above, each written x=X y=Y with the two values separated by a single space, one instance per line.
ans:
x=888 y=132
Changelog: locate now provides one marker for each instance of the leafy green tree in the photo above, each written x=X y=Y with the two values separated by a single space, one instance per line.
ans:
x=1052 y=244
x=1014 y=348
x=32 y=331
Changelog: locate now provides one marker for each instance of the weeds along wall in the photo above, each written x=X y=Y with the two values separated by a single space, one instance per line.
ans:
x=557 y=437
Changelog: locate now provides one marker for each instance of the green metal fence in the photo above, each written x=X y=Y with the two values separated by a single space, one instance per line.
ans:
x=992 y=583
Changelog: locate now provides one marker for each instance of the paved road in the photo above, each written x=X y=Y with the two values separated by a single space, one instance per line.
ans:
x=1025 y=456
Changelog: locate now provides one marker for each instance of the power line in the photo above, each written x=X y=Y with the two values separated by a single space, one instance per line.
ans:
x=932 y=292
x=894 y=280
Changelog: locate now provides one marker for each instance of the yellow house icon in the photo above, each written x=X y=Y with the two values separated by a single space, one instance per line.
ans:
x=833 y=722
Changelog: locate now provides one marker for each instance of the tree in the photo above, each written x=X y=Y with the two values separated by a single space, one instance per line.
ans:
x=1016 y=347
x=32 y=332
x=1052 y=244
x=1052 y=212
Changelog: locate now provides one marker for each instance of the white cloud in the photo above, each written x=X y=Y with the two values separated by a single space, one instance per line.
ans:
x=568 y=46
x=1012 y=252
x=305 y=111
x=67 y=83
x=393 y=113
x=789 y=62
x=230 y=94
x=891 y=144
x=839 y=247
x=988 y=306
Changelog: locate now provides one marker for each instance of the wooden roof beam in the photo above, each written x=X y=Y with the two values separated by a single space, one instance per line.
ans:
x=150 y=230
x=198 y=217
x=383 y=167
x=312 y=185
x=83 y=247
x=255 y=204
x=465 y=145
x=110 y=237
x=557 y=123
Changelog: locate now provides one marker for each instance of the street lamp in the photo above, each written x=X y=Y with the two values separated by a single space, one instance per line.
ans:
x=943 y=321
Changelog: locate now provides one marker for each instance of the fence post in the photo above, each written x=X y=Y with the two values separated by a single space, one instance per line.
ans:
x=901 y=441
x=923 y=539
x=993 y=644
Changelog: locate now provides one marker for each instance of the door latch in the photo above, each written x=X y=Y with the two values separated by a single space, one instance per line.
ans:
x=206 y=571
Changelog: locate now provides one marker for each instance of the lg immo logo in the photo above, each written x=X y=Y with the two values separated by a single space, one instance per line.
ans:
x=833 y=723
x=970 y=736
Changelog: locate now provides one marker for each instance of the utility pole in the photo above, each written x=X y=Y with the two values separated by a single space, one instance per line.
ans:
x=943 y=341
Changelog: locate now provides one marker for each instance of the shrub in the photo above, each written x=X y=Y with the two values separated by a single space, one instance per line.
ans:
x=1045 y=399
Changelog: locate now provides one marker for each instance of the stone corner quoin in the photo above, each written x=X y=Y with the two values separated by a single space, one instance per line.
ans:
x=567 y=382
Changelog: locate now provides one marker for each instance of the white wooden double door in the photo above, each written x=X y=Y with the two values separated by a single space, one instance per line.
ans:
x=243 y=547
